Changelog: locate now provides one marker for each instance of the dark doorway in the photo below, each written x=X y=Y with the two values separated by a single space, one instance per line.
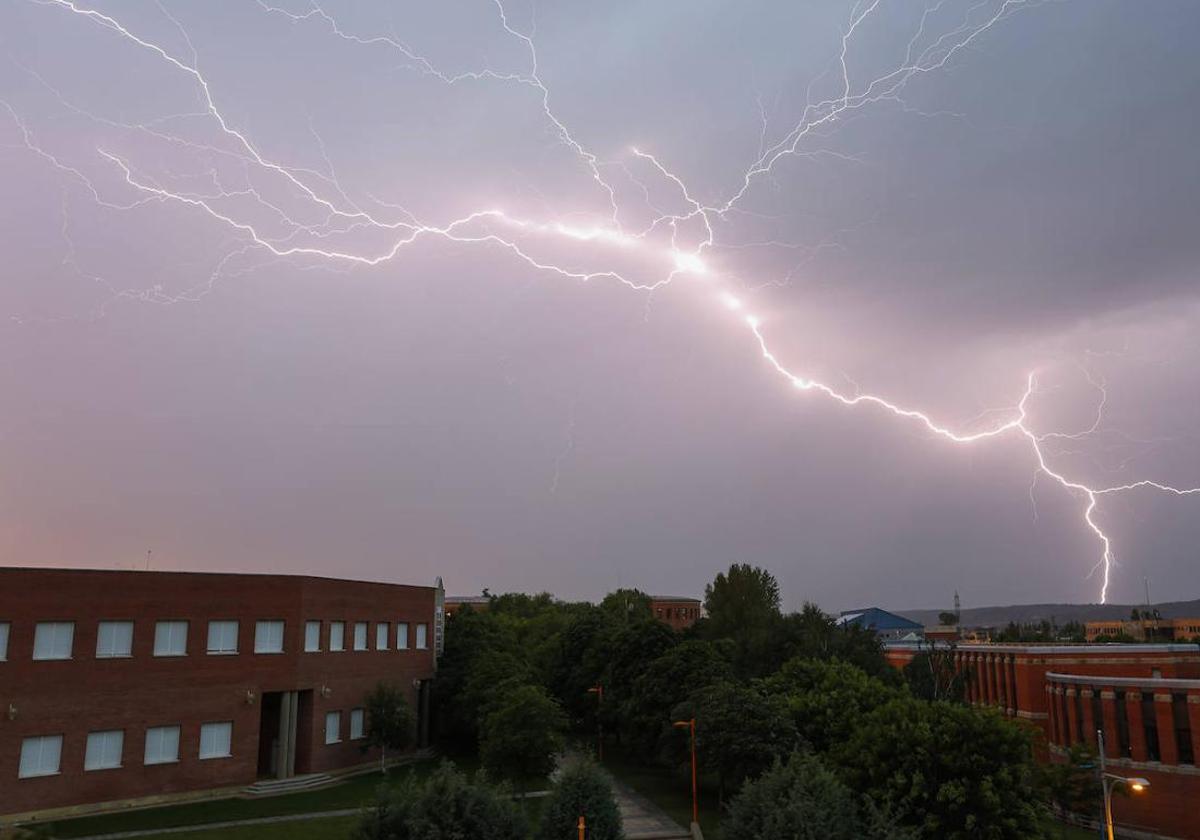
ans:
x=268 y=736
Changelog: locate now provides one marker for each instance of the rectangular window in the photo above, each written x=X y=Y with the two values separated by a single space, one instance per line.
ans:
x=1123 y=726
x=337 y=635
x=401 y=635
x=360 y=635
x=216 y=740
x=53 y=640
x=268 y=637
x=114 y=639
x=357 y=718
x=1150 y=726
x=162 y=744
x=40 y=756
x=104 y=750
x=422 y=636
x=222 y=637
x=1183 y=729
x=383 y=630
x=3 y=640
x=170 y=638
x=312 y=636
x=333 y=727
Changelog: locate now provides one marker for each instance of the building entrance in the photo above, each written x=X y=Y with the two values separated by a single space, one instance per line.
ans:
x=285 y=714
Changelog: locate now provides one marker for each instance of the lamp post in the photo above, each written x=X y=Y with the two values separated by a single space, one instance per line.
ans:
x=690 y=725
x=1108 y=781
x=598 y=690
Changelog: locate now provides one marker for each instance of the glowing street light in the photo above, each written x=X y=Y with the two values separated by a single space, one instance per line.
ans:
x=1108 y=781
x=690 y=725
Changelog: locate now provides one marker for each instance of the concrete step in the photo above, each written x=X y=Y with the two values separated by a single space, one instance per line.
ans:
x=274 y=787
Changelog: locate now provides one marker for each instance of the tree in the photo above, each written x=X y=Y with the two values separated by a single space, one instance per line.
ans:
x=389 y=720
x=627 y=605
x=933 y=674
x=802 y=800
x=812 y=634
x=827 y=700
x=948 y=619
x=949 y=771
x=740 y=731
x=665 y=683
x=583 y=790
x=445 y=805
x=1072 y=786
x=743 y=605
x=522 y=735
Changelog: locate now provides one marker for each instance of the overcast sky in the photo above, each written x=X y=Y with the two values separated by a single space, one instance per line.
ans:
x=965 y=196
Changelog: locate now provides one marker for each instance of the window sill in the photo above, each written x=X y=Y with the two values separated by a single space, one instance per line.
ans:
x=51 y=659
x=169 y=655
x=268 y=653
x=114 y=656
x=41 y=775
x=215 y=757
x=331 y=743
x=158 y=763
x=221 y=653
x=101 y=769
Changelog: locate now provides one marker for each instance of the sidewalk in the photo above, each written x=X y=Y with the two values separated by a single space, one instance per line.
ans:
x=643 y=820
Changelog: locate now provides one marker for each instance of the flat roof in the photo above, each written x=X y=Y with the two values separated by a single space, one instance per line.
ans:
x=185 y=572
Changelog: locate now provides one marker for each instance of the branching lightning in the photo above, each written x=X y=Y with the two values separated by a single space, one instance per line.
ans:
x=676 y=244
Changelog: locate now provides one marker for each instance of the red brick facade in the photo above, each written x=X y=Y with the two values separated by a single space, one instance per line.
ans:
x=85 y=693
x=680 y=613
x=1146 y=699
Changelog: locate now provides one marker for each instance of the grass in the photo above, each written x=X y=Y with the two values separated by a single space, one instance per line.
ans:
x=1063 y=831
x=355 y=792
x=669 y=791
x=332 y=828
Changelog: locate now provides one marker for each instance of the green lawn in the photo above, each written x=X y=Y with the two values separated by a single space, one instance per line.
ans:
x=1061 y=831
x=334 y=828
x=353 y=793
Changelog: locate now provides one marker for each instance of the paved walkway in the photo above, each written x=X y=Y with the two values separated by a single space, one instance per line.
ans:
x=643 y=820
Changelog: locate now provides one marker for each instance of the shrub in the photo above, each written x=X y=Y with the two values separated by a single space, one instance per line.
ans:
x=582 y=790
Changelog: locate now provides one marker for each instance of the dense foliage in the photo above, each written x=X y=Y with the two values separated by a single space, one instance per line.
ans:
x=804 y=709
x=446 y=805
x=582 y=789
x=389 y=720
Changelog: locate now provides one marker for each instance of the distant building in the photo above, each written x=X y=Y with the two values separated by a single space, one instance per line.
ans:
x=882 y=623
x=454 y=603
x=943 y=633
x=121 y=689
x=678 y=611
x=1153 y=629
x=1145 y=698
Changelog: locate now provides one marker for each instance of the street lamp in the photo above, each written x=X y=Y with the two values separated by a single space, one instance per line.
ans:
x=690 y=725
x=1108 y=781
x=598 y=690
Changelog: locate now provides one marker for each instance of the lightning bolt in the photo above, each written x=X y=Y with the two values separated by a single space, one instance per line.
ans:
x=677 y=244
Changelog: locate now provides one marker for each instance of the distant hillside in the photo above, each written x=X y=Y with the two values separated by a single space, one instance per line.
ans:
x=1060 y=613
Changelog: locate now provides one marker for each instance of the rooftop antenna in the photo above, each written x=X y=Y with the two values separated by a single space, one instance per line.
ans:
x=147 y=559
x=957 y=608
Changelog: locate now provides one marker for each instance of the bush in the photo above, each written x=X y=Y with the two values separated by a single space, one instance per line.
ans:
x=522 y=735
x=802 y=800
x=582 y=790
x=445 y=805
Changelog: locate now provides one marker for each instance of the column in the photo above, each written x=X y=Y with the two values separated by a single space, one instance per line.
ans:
x=1168 y=750
x=975 y=677
x=1112 y=735
x=989 y=684
x=1137 y=732
x=1089 y=716
x=1052 y=714
x=1072 y=717
x=1193 y=708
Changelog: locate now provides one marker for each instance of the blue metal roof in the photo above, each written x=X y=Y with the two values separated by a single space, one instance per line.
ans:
x=876 y=619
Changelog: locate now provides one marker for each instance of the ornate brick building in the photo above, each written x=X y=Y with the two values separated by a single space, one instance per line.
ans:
x=133 y=687
x=1145 y=698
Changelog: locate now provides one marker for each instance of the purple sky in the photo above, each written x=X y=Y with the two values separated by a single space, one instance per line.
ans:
x=362 y=290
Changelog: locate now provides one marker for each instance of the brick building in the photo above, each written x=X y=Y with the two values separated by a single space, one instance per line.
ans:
x=1150 y=629
x=1145 y=698
x=677 y=611
x=138 y=687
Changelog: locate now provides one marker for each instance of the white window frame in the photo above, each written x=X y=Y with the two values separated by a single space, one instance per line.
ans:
x=216 y=740
x=337 y=635
x=220 y=646
x=312 y=637
x=100 y=750
x=106 y=648
x=5 y=628
x=56 y=632
x=360 y=635
x=268 y=636
x=336 y=719
x=37 y=751
x=401 y=635
x=164 y=646
x=383 y=631
x=157 y=737
x=422 y=636
x=358 y=724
